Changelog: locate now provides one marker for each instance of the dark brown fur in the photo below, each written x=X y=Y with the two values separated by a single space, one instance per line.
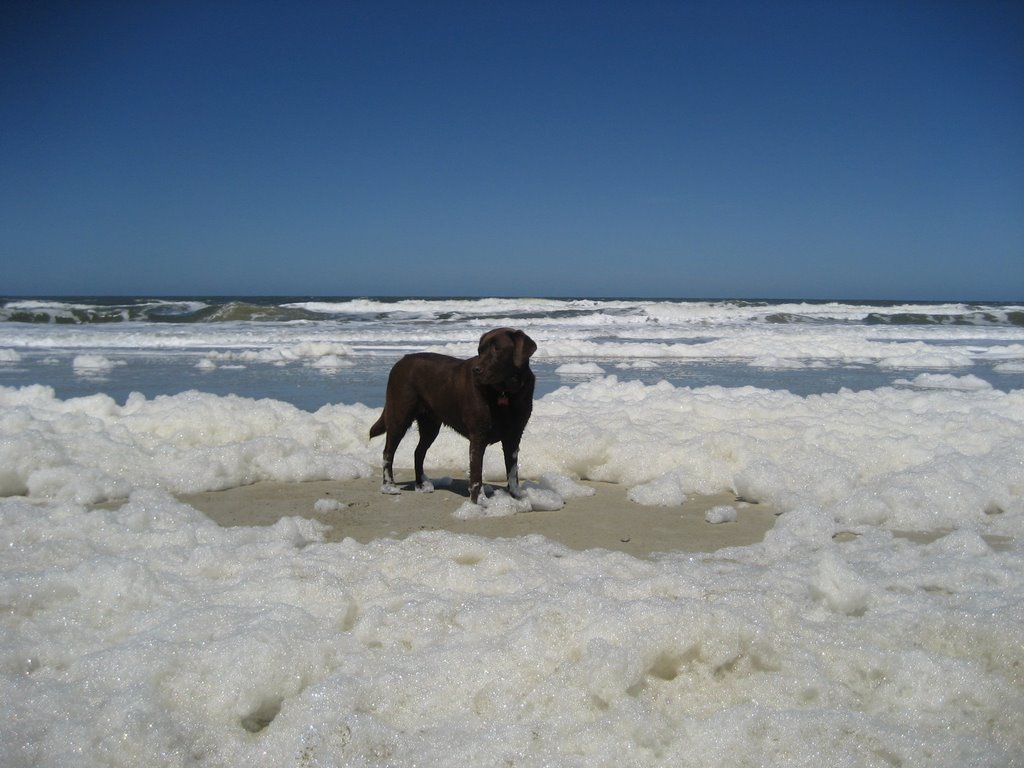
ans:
x=487 y=399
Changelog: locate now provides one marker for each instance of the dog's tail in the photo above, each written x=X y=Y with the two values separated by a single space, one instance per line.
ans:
x=378 y=427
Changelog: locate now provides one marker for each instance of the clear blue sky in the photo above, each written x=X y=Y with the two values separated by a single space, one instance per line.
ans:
x=688 y=149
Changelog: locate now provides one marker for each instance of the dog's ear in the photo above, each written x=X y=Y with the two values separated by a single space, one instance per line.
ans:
x=485 y=340
x=525 y=347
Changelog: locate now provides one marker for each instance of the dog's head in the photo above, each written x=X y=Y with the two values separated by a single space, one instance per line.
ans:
x=503 y=359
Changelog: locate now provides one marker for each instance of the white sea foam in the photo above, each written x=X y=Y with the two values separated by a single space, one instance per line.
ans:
x=497 y=504
x=90 y=449
x=724 y=513
x=579 y=369
x=637 y=365
x=144 y=634
x=328 y=505
x=890 y=457
x=1009 y=367
x=94 y=365
x=548 y=494
x=665 y=491
x=564 y=486
x=148 y=635
x=946 y=381
x=330 y=363
x=315 y=351
x=626 y=332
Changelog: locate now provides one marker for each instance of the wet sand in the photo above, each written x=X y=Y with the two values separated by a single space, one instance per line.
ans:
x=606 y=520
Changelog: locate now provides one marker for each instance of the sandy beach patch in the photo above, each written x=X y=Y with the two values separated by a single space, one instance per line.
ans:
x=607 y=520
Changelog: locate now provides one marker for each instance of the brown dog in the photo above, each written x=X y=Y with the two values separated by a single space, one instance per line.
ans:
x=486 y=399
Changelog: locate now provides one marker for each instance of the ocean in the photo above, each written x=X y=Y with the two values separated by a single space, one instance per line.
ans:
x=315 y=351
x=880 y=622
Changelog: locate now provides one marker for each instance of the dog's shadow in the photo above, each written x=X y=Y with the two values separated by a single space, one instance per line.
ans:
x=442 y=484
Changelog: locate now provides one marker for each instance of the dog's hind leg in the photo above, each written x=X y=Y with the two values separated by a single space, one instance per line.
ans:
x=395 y=435
x=429 y=425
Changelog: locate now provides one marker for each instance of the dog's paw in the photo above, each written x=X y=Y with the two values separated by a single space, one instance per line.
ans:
x=390 y=489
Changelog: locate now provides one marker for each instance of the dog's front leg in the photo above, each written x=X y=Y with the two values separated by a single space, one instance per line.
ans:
x=477 y=445
x=511 y=450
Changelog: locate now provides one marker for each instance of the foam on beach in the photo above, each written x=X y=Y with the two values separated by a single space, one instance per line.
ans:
x=145 y=634
x=918 y=458
x=879 y=623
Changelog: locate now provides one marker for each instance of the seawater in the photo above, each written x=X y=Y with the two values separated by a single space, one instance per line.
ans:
x=311 y=352
x=880 y=623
